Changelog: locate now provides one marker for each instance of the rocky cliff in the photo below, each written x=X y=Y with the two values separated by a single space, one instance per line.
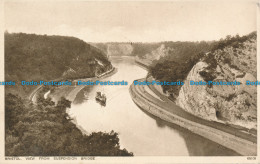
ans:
x=115 y=49
x=123 y=49
x=141 y=50
x=232 y=104
x=155 y=54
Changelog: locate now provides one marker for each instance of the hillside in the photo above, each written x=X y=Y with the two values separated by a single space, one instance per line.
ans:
x=176 y=60
x=232 y=59
x=45 y=128
x=41 y=57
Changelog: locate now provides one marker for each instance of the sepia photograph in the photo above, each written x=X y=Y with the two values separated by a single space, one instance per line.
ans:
x=135 y=81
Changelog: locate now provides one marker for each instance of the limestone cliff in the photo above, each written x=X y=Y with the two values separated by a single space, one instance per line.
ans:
x=158 y=53
x=231 y=104
x=155 y=54
x=120 y=49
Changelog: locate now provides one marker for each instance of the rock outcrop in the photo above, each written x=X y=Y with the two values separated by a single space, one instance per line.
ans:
x=120 y=49
x=156 y=54
x=235 y=104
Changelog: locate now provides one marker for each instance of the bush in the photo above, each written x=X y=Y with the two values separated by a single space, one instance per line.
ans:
x=46 y=130
x=207 y=76
x=244 y=63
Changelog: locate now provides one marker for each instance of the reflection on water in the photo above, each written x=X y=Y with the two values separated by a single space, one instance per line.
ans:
x=139 y=132
x=197 y=146
x=83 y=95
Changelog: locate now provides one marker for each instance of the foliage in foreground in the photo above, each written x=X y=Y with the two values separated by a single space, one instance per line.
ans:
x=46 y=130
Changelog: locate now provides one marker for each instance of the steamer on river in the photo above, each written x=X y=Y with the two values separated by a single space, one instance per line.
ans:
x=101 y=98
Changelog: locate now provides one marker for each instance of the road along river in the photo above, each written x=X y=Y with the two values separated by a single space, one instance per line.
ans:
x=139 y=132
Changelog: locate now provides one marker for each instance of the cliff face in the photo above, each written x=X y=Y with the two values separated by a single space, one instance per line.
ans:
x=127 y=49
x=123 y=49
x=156 y=54
x=232 y=104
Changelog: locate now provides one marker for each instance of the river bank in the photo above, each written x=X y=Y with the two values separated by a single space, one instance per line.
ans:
x=143 y=63
x=241 y=142
x=70 y=92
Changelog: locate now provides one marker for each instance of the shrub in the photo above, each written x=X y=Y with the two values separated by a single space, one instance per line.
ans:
x=207 y=76
x=46 y=130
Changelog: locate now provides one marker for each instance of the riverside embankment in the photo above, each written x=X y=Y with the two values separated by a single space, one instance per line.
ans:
x=156 y=104
x=143 y=63
x=70 y=92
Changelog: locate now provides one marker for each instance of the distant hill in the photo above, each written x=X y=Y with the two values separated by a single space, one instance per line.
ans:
x=177 y=51
x=126 y=49
x=41 y=57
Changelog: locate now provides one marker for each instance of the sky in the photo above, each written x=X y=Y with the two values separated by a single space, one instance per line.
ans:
x=135 y=21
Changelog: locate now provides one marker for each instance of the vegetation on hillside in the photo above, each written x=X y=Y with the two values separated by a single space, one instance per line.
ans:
x=46 y=130
x=177 y=64
x=233 y=41
x=41 y=57
x=223 y=50
x=141 y=49
x=184 y=55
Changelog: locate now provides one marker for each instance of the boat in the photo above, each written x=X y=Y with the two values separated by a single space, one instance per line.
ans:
x=101 y=98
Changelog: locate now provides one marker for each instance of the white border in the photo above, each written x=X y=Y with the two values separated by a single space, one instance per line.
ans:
x=136 y=159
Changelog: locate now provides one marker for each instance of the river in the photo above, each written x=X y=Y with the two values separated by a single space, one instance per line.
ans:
x=139 y=132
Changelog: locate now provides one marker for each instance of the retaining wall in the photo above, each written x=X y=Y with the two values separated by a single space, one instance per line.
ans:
x=241 y=146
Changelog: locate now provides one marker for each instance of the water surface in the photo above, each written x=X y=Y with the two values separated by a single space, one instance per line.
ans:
x=139 y=132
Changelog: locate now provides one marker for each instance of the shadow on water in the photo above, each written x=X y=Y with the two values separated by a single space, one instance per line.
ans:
x=83 y=95
x=196 y=145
